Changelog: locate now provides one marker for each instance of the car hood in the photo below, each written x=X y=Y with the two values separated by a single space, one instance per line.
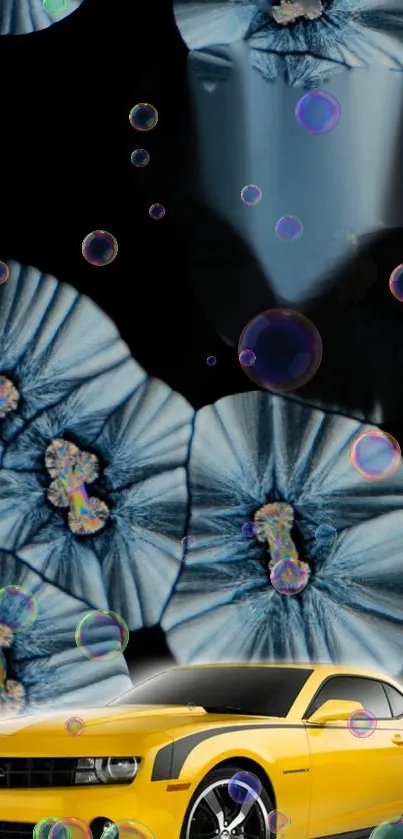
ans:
x=111 y=730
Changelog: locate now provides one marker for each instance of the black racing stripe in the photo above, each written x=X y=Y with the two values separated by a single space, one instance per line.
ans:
x=182 y=748
x=170 y=759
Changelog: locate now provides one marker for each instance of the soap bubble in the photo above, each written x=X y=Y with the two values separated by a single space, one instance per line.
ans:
x=127 y=829
x=276 y=821
x=244 y=786
x=143 y=117
x=74 y=726
x=18 y=608
x=99 y=248
x=4 y=272
x=211 y=361
x=54 y=7
x=289 y=228
x=375 y=455
x=388 y=830
x=251 y=195
x=325 y=534
x=247 y=358
x=140 y=158
x=101 y=635
x=287 y=347
x=43 y=827
x=361 y=723
x=156 y=211
x=70 y=828
x=249 y=530
x=318 y=112
x=396 y=283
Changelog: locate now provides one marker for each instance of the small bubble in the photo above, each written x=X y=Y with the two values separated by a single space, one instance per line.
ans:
x=211 y=361
x=277 y=821
x=318 y=112
x=70 y=828
x=143 y=117
x=156 y=211
x=244 y=786
x=140 y=158
x=18 y=608
x=102 y=635
x=375 y=455
x=99 y=248
x=54 y=7
x=249 y=530
x=251 y=195
x=289 y=576
x=74 y=726
x=43 y=827
x=247 y=358
x=4 y=272
x=289 y=228
x=361 y=723
x=396 y=283
x=325 y=533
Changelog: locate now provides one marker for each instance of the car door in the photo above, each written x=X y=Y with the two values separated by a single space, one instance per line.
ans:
x=350 y=775
x=394 y=792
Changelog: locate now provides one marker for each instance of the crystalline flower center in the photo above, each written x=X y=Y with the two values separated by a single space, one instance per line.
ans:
x=9 y=397
x=273 y=525
x=71 y=469
x=289 y=10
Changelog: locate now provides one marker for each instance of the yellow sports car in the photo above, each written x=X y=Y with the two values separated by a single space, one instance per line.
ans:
x=214 y=752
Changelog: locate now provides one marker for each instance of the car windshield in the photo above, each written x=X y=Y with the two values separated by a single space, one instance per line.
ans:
x=267 y=691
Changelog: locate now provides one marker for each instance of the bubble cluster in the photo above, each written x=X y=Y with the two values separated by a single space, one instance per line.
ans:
x=244 y=786
x=9 y=396
x=101 y=635
x=127 y=829
x=140 y=158
x=318 y=112
x=287 y=347
x=388 y=830
x=249 y=529
x=396 y=283
x=325 y=534
x=143 y=117
x=156 y=211
x=4 y=272
x=247 y=358
x=70 y=828
x=43 y=827
x=361 y=723
x=18 y=608
x=375 y=455
x=277 y=821
x=99 y=248
x=251 y=195
x=211 y=361
x=288 y=576
x=74 y=726
x=289 y=228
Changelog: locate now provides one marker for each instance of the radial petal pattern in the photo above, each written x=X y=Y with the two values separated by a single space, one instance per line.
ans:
x=92 y=480
x=348 y=33
x=255 y=448
x=19 y=17
x=44 y=657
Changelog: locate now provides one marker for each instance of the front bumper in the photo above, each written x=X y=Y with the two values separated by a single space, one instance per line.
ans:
x=159 y=810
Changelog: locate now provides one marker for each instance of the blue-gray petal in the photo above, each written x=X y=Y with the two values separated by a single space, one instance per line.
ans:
x=45 y=658
x=20 y=18
x=252 y=448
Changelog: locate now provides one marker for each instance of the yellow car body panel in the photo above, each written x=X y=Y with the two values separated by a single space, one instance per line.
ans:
x=325 y=780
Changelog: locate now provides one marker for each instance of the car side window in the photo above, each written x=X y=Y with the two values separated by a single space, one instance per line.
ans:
x=368 y=692
x=395 y=699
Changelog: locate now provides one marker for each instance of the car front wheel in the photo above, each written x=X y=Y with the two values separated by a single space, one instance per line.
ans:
x=214 y=814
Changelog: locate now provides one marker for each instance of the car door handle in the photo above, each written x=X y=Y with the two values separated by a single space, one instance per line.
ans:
x=397 y=739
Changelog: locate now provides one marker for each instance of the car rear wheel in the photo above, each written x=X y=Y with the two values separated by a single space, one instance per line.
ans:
x=213 y=813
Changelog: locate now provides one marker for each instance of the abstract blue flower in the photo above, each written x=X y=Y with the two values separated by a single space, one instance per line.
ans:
x=20 y=18
x=347 y=33
x=44 y=657
x=255 y=449
x=92 y=457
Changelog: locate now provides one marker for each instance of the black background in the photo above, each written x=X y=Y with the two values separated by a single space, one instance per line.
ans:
x=66 y=141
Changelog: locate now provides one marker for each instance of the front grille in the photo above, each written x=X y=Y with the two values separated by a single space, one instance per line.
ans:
x=16 y=830
x=37 y=772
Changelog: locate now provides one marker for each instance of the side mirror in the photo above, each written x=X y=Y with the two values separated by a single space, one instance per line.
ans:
x=334 y=710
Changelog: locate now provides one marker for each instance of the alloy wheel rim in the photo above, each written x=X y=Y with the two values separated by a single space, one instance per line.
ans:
x=215 y=815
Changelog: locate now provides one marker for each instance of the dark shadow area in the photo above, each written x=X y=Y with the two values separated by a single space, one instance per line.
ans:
x=147 y=653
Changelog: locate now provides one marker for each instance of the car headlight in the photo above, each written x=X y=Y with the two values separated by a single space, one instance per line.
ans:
x=106 y=770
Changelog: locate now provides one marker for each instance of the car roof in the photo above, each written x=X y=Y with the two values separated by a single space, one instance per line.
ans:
x=321 y=669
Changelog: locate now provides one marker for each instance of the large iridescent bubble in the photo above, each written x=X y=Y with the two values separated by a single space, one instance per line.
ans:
x=287 y=349
x=20 y=17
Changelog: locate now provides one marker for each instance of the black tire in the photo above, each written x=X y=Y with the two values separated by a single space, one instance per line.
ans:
x=224 y=774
